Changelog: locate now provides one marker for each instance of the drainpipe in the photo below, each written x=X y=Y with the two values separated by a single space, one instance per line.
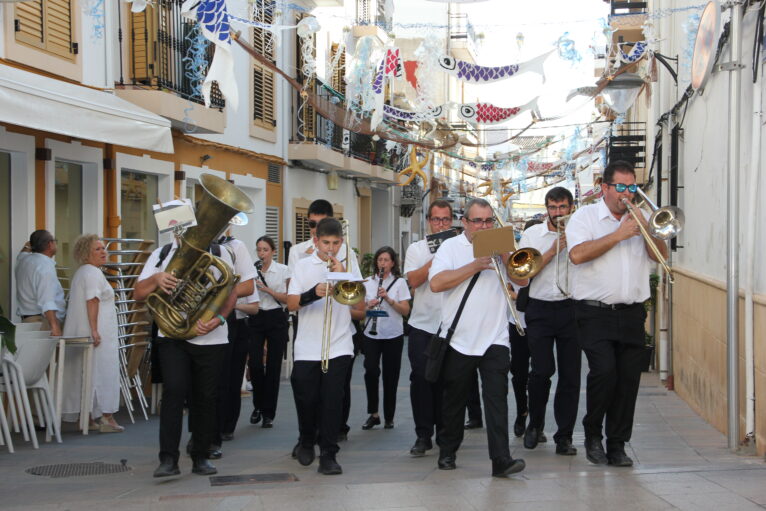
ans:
x=752 y=211
x=734 y=67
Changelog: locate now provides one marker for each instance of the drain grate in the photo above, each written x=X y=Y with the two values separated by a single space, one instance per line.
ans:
x=95 y=468
x=280 y=477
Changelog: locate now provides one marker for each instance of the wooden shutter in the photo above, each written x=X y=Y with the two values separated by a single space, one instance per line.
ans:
x=337 y=81
x=46 y=24
x=263 y=98
x=141 y=41
x=272 y=227
x=302 y=229
x=29 y=21
x=263 y=39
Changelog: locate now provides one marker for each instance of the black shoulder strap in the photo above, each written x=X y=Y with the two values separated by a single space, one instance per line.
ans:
x=163 y=254
x=462 y=305
x=215 y=249
x=391 y=284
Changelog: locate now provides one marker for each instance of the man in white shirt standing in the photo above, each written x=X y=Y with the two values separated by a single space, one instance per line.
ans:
x=39 y=294
x=610 y=284
x=424 y=322
x=550 y=320
x=480 y=340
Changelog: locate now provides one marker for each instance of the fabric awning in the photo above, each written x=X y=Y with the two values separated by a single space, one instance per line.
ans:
x=35 y=101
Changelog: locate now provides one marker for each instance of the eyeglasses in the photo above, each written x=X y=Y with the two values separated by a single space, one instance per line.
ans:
x=313 y=224
x=621 y=187
x=440 y=220
x=478 y=221
x=559 y=207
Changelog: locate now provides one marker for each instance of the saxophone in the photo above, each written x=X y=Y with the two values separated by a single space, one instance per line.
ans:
x=199 y=294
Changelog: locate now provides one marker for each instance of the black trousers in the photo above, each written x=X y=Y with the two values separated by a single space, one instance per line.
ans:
x=390 y=350
x=549 y=324
x=613 y=342
x=519 y=368
x=190 y=371
x=457 y=373
x=318 y=400
x=473 y=407
x=270 y=328
x=230 y=381
x=425 y=397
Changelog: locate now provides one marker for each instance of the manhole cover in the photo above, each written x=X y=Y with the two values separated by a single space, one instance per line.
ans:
x=253 y=479
x=95 y=468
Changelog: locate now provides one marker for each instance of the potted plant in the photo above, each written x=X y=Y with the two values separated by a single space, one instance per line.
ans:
x=7 y=333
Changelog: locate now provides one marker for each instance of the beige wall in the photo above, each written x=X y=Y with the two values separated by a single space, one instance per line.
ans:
x=699 y=351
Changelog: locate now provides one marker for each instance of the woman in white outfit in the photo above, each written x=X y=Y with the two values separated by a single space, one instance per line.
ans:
x=92 y=313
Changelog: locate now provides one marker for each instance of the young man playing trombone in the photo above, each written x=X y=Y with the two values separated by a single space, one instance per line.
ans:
x=323 y=347
x=610 y=283
x=550 y=320
x=480 y=340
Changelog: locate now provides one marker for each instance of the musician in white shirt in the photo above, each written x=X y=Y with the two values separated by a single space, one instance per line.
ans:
x=480 y=340
x=424 y=322
x=610 y=283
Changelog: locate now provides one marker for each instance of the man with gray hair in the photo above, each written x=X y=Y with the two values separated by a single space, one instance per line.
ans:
x=39 y=295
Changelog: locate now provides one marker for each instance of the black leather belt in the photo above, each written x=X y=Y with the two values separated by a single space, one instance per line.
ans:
x=602 y=305
x=23 y=317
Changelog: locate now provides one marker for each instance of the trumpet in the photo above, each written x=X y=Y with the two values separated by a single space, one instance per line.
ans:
x=561 y=223
x=346 y=292
x=523 y=263
x=664 y=223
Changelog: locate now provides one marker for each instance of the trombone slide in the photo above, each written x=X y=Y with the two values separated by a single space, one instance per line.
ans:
x=504 y=284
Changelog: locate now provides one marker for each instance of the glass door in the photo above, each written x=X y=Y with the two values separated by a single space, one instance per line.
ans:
x=7 y=252
x=139 y=192
x=68 y=217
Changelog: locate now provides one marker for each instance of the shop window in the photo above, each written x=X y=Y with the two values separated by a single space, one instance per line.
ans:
x=7 y=252
x=138 y=193
x=68 y=220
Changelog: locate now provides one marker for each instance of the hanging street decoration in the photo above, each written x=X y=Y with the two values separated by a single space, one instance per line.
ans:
x=473 y=73
x=415 y=168
x=638 y=51
x=486 y=113
x=408 y=115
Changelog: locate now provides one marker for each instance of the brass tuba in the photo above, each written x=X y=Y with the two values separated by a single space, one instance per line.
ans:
x=199 y=294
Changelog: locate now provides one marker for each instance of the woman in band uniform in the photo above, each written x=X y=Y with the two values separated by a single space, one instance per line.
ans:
x=269 y=328
x=391 y=294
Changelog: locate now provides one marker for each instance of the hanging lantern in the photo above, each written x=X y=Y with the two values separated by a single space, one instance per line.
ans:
x=622 y=91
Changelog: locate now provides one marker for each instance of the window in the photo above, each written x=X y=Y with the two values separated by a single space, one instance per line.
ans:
x=68 y=223
x=46 y=24
x=138 y=192
x=306 y=122
x=337 y=81
x=272 y=227
x=264 y=90
x=302 y=230
x=7 y=252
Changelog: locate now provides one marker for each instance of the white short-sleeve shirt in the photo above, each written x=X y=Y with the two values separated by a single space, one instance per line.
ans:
x=425 y=313
x=276 y=278
x=306 y=249
x=252 y=298
x=544 y=283
x=309 y=272
x=218 y=336
x=621 y=275
x=484 y=320
x=391 y=326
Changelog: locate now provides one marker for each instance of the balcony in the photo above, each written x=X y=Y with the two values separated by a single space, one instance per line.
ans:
x=627 y=15
x=630 y=145
x=158 y=41
x=462 y=37
x=318 y=143
x=371 y=19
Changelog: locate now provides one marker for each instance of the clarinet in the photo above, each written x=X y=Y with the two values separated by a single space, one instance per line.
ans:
x=374 y=326
x=258 y=268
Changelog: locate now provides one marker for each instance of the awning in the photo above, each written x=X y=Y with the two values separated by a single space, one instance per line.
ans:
x=38 y=102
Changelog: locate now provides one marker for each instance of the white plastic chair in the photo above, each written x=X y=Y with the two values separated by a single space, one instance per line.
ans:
x=26 y=373
x=5 y=430
x=28 y=327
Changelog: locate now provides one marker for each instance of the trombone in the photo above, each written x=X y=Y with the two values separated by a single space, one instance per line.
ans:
x=346 y=292
x=523 y=263
x=664 y=223
x=561 y=223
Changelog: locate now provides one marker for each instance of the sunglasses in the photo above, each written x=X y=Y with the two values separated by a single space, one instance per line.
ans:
x=621 y=187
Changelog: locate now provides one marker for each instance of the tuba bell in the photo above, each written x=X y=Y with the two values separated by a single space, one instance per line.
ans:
x=199 y=294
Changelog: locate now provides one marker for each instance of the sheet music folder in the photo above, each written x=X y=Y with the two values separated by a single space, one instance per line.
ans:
x=494 y=241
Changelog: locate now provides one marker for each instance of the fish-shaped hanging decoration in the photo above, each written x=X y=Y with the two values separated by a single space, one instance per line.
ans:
x=487 y=113
x=408 y=115
x=474 y=73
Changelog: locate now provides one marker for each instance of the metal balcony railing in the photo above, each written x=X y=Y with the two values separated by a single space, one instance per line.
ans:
x=159 y=40
x=628 y=7
x=629 y=144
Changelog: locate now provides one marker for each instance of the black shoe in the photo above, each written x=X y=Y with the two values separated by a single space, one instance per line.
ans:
x=389 y=425
x=619 y=459
x=502 y=467
x=422 y=445
x=371 y=422
x=446 y=462
x=294 y=454
x=541 y=438
x=474 y=424
x=214 y=453
x=594 y=451
x=520 y=425
x=305 y=455
x=267 y=423
x=564 y=447
x=531 y=437
x=168 y=467
x=227 y=437
x=203 y=467
x=328 y=466
x=255 y=417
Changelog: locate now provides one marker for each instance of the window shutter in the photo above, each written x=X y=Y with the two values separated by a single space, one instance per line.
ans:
x=263 y=98
x=272 y=227
x=140 y=30
x=30 y=23
x=275 y=173
x=338 y=83
x=302 y=229
x=58 y=27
